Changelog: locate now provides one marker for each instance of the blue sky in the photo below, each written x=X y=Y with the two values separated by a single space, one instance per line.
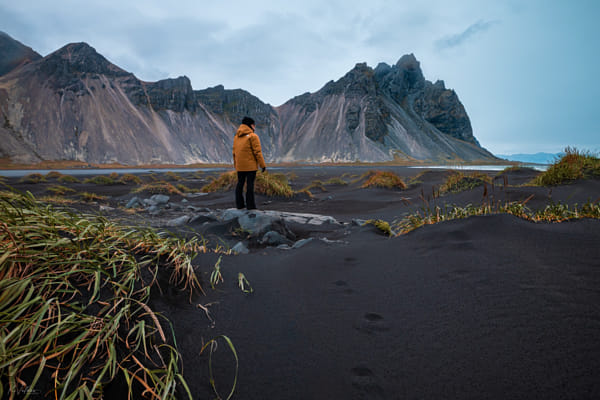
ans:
x=526 y=71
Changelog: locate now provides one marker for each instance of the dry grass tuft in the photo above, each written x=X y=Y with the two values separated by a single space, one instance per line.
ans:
x=91 y=197
x=159 y=187
x=33 y=178
x=59 y=190
x=383 y=179
x=574 y=164
x=68 y=179
x=458 y=181
x=275 y=185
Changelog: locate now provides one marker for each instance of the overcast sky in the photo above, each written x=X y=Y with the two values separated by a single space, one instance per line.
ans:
x=525 y=70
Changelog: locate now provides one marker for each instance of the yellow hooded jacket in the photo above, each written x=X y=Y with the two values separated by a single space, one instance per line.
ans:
x=247 y=154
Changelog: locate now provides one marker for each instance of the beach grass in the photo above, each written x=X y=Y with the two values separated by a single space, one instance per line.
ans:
x=458 y=181
x=382 y=179
x=33 y=178
x=553 y=212
x=74 y=308
x=68 y=179
x=266 y=183
x=574 y=164
x=158 y=187
x=89 y=197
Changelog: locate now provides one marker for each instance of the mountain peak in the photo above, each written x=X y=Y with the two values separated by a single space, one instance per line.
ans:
x=80 y=58
x=14 y=54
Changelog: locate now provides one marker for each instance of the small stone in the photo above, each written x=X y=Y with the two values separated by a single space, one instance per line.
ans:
x=160 y=198
x=133 y=203
x=184 y=219
x=240 y=248
x=273 y=238
x=301 y=243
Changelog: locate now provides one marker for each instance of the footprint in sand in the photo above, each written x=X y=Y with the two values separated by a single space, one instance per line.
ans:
x=371 y=323
x=343 y=285
x=365 y=381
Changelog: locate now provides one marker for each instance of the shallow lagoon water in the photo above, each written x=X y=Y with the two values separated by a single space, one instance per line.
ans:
x=102 y=171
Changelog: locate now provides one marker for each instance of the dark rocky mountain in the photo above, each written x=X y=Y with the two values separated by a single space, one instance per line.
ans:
x=74 y=104
x=14 y=54
x=390 y=112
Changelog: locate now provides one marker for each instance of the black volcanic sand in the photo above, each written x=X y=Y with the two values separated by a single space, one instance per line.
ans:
x=491 y=307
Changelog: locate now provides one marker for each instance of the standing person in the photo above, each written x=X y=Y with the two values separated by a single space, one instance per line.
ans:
x=247 y=157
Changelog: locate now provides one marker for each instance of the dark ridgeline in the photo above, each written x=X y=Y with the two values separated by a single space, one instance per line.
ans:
x=74 y=104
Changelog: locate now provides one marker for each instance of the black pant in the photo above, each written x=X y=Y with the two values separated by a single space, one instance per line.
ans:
x=247 y=177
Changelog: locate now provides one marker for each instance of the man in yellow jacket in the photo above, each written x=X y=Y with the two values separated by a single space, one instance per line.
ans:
x=247 y=157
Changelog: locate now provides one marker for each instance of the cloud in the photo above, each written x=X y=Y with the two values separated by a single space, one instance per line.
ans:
x=459 y=39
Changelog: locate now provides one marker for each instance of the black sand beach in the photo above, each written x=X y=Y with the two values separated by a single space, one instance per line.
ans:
x=487 y=307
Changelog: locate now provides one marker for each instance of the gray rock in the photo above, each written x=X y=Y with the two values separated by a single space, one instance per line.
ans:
x=149 y=202
x=184 y=219
x=359 y=222
x=134 y=202
x=273 y=238
x=240 y=248
x=284 y=247
x=202 y=218
x=160 y=198
x=154 y=210
x=301 y=243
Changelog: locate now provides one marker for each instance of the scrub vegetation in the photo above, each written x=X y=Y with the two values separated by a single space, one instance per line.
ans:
x=74 y=310
x=574 y=164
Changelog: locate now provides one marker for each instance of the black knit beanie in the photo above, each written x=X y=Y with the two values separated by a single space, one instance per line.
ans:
x=248 y=121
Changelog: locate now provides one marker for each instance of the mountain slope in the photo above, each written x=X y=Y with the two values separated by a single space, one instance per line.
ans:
x=74 y=104
x=382 y=114
x=14 y=54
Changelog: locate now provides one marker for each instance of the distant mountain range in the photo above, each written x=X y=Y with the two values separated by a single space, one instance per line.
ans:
x=537 y=158
x=73 y=104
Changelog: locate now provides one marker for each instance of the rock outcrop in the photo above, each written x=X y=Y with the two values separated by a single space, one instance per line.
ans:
x=74 y=104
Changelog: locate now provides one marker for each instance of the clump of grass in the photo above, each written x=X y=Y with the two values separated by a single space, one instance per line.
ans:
x=383 y=179
x=316 y=184
x=75 y=305
x=102 y=180
x=59 y=190
x=160 y=187
x=273 y=185
x=68 y=179
x=185 y=189
x=266 y=183
x=555 y=212
x=382 y=225
x=130 y=178
x=173 y=176
x=574 y=164
x=336 y=181
x=91 y=197
x=53 y=175
x=33 y=178
x=459 y=182
x=225 y=181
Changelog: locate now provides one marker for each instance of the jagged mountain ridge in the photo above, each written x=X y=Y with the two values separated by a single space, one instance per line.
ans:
x=74 y=104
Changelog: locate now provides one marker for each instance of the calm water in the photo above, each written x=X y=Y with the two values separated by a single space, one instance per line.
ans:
x=98 y=171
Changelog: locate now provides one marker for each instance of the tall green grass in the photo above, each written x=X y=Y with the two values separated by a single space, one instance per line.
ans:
x=574 y=164
x=74 y=308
